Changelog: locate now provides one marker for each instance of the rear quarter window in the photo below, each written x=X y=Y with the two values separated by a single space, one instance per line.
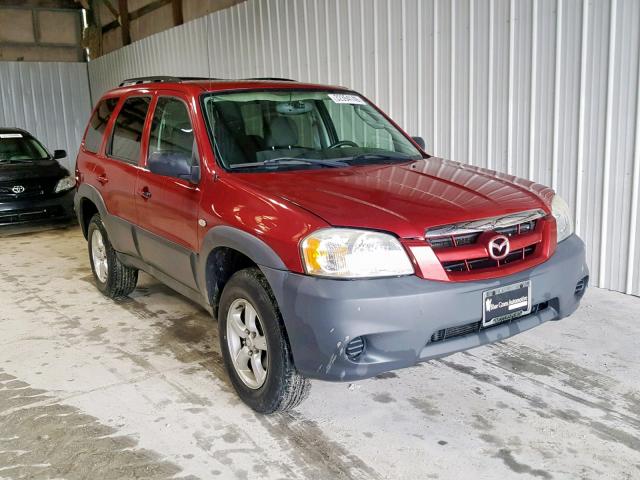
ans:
x=98 y=124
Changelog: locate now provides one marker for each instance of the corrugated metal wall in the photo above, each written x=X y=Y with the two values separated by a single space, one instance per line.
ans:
x=544 y=89
x=50 y=100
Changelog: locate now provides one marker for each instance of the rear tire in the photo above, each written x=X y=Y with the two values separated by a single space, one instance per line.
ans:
x=113 y=279
x=260 y=343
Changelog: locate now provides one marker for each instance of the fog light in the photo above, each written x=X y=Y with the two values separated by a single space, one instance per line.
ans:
x=355 y=348
x=581 y=286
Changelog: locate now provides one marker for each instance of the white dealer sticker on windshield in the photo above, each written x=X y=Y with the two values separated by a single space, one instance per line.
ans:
x=10 y=135
x=343 y=98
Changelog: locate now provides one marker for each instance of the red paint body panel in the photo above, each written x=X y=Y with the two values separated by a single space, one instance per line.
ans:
x=117 y=181
x=281 y=208
x=280 y=224
x=172 y=209
x=404 y=199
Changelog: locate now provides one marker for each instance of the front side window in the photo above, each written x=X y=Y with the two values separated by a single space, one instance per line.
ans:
x=98 y=124
x=171 y=130
x=127 y=131
x=18 y=148
x=301 y=129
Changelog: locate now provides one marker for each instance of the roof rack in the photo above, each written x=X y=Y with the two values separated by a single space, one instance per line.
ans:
x=166 y=78
x=274 y=79
x=199 y=78
x=159 y=79
x=154 y=79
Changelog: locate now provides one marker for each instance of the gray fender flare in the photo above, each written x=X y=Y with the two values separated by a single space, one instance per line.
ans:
x=91 y=193
x=245 y=243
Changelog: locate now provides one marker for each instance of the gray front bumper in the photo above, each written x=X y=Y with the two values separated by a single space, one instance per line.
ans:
x=398 y=316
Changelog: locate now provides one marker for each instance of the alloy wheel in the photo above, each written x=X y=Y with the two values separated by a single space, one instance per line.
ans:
x=247 y=343
x=99 y=256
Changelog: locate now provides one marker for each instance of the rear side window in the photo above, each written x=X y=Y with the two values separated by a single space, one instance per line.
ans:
x=98 y=124
x=127 y=131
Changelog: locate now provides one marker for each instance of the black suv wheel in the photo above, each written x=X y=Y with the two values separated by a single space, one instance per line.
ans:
x=255 y=347
x=113 y=279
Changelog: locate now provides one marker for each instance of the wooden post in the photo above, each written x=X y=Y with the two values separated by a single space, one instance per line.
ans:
x=178 y=19
x=124 y=21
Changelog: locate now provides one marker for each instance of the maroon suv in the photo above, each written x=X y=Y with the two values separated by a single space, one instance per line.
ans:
x=324 y=239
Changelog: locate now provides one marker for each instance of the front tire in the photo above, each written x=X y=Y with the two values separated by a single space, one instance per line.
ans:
x=113 y=279
x=254 y=345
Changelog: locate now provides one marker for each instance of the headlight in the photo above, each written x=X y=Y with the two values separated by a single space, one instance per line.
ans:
x=562 y=213
x=66 y=183
x=351 y=253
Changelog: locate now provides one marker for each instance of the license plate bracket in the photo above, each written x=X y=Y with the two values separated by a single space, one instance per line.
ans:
x=506 y=303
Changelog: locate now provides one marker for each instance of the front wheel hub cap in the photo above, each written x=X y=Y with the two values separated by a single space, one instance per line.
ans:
x=99 y=256
x=247 y=343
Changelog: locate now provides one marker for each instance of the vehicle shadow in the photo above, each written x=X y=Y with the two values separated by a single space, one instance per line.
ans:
x=185 y=330
x=33 y=229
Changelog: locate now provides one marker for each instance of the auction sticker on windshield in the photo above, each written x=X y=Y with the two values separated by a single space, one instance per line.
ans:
x=506 y=303
x=345 y=98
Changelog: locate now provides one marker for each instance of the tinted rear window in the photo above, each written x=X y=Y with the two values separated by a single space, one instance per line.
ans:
x=127 y=131
x=98 y=124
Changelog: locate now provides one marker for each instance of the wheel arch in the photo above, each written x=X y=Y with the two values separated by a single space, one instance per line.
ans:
x=226 y=250
x=88 y=202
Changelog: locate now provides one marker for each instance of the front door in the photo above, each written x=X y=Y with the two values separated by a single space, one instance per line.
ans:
x=168 y=207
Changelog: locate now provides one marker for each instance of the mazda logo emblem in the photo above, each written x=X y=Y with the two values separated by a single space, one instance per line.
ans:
x=498 y=247
x=17 y=189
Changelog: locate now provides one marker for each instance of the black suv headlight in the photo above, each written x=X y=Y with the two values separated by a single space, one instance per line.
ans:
x=64 y=184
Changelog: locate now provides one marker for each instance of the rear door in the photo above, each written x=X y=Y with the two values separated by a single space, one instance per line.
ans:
x=117 y=171
x=168 y=207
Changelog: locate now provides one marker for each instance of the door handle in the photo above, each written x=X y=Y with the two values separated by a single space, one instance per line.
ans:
x=145 y=193
x=102 y=179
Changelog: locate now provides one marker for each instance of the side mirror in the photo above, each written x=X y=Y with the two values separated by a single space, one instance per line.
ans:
x=58 y=154
x=420 y=142
x=174 y=164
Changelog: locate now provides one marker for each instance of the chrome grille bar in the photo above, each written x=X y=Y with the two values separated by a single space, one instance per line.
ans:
x=482 y=225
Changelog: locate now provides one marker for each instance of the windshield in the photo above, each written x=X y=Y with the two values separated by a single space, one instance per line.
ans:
x=15 y=147
x=301 y=129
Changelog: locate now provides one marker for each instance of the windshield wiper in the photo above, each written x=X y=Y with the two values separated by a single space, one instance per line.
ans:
x=380 y=156
x=289 y=161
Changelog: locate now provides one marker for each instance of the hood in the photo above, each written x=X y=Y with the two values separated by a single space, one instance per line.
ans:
x=403 y=198
x=36 y=169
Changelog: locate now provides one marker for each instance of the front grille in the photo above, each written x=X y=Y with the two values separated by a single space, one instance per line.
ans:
x=32 y=189
x=462 y=247
x=30 y=215
x=451 y=332
x=455 y=240
x=474 y=327
x=486 y=262
x=518 y=229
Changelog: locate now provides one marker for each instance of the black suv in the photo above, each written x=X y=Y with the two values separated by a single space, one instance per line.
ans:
x=34 y=187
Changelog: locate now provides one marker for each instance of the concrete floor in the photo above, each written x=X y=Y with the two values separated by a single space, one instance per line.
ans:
x=90 y=388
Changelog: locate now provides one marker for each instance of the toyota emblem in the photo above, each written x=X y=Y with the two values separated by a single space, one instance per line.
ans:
x=498 y=247
x=17 y=189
